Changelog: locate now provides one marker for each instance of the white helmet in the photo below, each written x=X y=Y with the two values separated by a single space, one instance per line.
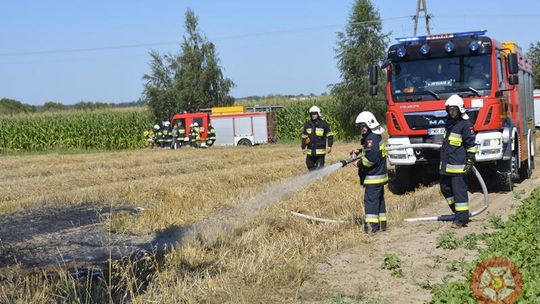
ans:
x=195 y=124
x=315 y=109
x=191 y=125
x=156 y=127
x=166 y=123
x=456 y=101
x=369 y=119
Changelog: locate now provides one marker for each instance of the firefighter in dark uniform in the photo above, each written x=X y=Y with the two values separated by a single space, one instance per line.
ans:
x=211 y=137
x=179 y=132
x=315 y=134
x=372 y=171
x=167 y=134
x=457 y=158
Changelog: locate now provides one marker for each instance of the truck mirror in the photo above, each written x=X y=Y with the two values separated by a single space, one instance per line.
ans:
x=373 y=90
x=513 y=63
x=373 y=73
x=513 y=79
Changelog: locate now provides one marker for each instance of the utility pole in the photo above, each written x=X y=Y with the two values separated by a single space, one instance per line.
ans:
x=421 y=7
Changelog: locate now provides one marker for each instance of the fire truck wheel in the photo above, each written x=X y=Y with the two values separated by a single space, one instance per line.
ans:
x=403 y=181
x=525 y=171
x=244 y=142
x=504 y=178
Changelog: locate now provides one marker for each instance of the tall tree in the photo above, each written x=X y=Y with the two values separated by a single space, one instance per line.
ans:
x=534 y=55
x=190 y=80
x=363 y=43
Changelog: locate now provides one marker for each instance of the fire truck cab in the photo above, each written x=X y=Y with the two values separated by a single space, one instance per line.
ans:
x=495 y=81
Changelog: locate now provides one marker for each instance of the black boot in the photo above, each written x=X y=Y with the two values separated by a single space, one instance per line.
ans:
x=383 y=225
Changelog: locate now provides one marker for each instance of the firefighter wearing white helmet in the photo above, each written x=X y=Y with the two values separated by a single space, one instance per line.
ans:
x=457 y=157
x=166 y=134
x=372 y=171
x=315 y=135
x=195 y=135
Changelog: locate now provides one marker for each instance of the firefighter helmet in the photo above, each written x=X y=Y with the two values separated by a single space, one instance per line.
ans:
x=315 y=109
x=156 y=127
x=369 y=119
x=166 y=123
x=456 y=101
x=195 y=124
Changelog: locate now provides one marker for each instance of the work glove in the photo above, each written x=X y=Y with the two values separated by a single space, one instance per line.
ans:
x=468 y=165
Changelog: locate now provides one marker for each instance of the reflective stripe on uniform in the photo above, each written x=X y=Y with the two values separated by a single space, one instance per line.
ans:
x=455 y=168
x=382 y=148
x=317 y=152
x=372 y=218
x=450 y=200
x=382 y=217
x=366 y=162
x=330 y=134
x=472 y=150
x=308 y=130
x=319 y=131
x=455 y=139
x=462 y=206
x=304 y=136
x=375 y=179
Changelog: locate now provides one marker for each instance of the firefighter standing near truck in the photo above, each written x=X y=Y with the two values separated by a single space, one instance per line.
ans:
x=315 y=134
x=211 y=135
x=179 y=132
x=195 y=135
x=372 y=171
x=457 y=158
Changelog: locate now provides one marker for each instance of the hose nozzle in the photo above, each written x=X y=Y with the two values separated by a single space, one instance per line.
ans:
x=349 y=160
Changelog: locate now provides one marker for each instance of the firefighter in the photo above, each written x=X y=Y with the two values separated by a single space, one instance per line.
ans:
x=179 y=132
x=457 y=158
x=167 y=134
x=158 y=135
x=315 y=135
x=372 y=171
x=149 y=138
x=211 y=138
x=195 y=135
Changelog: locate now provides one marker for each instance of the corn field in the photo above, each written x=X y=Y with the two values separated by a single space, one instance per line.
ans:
x=291 y=119
x=117 y=129
x=103 y=129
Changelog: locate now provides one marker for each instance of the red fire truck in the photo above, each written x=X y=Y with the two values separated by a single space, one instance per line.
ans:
x=234 y=126
x=495 y=81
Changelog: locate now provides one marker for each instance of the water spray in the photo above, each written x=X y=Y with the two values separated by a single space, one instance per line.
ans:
x=443 y=217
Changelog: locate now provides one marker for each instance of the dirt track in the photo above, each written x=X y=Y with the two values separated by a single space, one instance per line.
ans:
x=356 y=272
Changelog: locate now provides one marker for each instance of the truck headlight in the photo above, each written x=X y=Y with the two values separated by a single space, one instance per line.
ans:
x=491 y=143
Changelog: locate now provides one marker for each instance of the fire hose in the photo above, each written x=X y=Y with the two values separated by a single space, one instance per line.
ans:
x=443 y=217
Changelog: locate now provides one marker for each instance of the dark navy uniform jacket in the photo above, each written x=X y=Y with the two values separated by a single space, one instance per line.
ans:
x=458 y=146
x=373 y=170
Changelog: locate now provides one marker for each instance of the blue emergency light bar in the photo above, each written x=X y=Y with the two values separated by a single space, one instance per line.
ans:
x=441 y=36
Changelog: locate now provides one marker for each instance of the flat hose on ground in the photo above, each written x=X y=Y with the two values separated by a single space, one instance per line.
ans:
x=444 y=217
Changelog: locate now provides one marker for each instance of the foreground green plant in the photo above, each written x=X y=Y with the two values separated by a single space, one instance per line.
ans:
x=518 y=241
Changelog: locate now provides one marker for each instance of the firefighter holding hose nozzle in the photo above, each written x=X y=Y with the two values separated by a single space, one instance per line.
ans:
x=457 y=158
x=372 y=171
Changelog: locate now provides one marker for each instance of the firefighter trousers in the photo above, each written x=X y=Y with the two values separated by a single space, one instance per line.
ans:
x=314 y=162
x=375 y=208
x=454 y=190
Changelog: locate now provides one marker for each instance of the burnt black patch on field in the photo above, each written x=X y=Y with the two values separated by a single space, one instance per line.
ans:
x=74 y=235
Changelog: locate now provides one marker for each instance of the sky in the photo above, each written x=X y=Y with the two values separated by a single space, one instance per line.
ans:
x=71 y=51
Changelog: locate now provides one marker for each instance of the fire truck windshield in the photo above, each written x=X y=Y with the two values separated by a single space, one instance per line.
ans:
x=430 y=78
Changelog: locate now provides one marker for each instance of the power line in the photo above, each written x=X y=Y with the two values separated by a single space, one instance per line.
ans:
x=139 y=45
